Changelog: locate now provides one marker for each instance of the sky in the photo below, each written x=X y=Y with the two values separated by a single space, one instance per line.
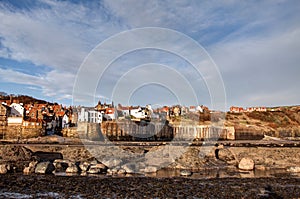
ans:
x=251 y=48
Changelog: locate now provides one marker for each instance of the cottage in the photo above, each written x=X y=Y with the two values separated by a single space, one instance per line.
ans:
x=235 y=109
x=17 y=110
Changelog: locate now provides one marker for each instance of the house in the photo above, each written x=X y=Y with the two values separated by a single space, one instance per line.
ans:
x=138 y=113
x=14 y=121
x=4 y=113
x=32 y=123
x=192 y=109
x=110 y=114
x=125 y=110
x=87 y=114
x=65 y=121
x=235 y=109
x=17 y=110
x=259 y=109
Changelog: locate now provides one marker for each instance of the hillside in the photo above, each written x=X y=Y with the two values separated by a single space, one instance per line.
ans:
x=280 y=122
x=21 y=99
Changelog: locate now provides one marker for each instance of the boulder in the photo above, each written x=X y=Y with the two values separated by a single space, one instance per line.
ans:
x=260 y=167
x=44 y=168
x=72 y=169
x=84 y=166
x=112 y=162
x=224 y=155
x=27 y=170
x=61 y=165
x=294 y=169
x=121 y=171
x=30 y=169
x=114 y=171
x=129 y=168
x=42 y=156
x=246 y=164
x=150 y=169
x=4 y=168
x=185 y=173
x=97 y=168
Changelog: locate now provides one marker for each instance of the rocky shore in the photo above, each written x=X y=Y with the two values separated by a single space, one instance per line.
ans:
x=60 y=170
x=47 y=186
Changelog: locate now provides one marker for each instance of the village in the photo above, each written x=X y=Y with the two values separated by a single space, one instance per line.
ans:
x=25 y=120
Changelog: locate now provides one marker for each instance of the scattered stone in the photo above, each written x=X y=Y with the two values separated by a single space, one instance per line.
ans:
x=4 y=168
x=97 y=168
x=30 y=169
x=27 y=170
x=72 y=169
x=61 y=165
x=246 y=164
x=33 y=164
x=260 y=167
x=121 y=171
x=224 y=155
x=294 y=169
x=129 y=168
x=44 y=168
x=150 y=169
x=112 y=162
x=84 y=166
x=185 y=173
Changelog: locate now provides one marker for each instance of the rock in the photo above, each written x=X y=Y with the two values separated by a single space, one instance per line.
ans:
x=150 y=169
x=61 y=165
x=27 y=170
x=224 y=155
x=246 y=164
x=4 y=168
x=33 y=164
x=121 y=171
x=260 y=167
x=97 y=168
x=129 y=168
x=185 y=173
x=30 y=169
x=44 y=168
x=84 y=166
x=94 y=170
x=72 y=169
x=46 y=156
x=112 y=162
x=294 y=169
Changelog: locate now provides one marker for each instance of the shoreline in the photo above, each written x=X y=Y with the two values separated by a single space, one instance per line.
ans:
x=47 y=186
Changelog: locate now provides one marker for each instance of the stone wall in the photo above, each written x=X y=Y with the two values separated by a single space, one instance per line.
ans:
x=19 y=132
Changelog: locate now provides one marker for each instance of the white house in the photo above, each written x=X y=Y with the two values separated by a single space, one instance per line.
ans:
x=65 y=121
x=92 y=116
x=17 y=110
x=110 y=114
x=14 y=121
x=138 y=113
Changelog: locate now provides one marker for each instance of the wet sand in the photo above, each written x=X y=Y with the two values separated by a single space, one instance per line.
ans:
x=50 y=186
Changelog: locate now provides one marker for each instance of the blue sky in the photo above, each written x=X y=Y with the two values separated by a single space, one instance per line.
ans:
x=254 y=44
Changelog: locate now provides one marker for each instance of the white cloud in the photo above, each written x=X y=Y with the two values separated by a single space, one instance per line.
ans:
x=54 y=84
x=261 y=70
x=251 y=42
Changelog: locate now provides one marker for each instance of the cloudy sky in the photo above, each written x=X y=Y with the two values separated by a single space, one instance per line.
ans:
x=254 y=45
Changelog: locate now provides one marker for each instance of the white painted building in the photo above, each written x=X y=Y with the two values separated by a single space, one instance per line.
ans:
x=17 y=110
x=65 y=121
x=90 y=116
x=14 y=121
